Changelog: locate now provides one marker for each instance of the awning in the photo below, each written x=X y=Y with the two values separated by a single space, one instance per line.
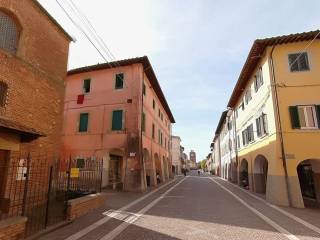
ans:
x=24 y=130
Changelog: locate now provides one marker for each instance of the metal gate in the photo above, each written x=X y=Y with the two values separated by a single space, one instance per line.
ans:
x=38 y=186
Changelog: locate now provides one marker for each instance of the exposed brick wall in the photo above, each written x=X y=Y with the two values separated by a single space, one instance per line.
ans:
x=81 y=206
x=35 y=75
x=13 y=228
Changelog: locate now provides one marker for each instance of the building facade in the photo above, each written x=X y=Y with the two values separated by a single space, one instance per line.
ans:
x=275 y=104
x=193 y=159
x=176 y=152
x=117 y=111
x=33 y=55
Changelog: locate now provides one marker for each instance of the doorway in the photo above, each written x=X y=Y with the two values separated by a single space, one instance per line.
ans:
x=115 y=172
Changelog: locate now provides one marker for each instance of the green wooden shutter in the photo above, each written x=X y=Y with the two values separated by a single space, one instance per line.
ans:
x=143 y=122
x=294 y=114
x=153 y=128
x=117 y=120
x=83 y=123
x=144 y=89
x=318 y=114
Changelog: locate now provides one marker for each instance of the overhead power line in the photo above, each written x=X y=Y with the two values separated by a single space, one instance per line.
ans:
x=85 y=21
x=83 y=32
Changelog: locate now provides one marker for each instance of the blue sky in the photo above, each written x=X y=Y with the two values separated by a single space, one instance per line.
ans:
x=197 y=47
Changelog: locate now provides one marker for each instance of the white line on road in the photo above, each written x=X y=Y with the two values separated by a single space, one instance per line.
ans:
x=297 y=219
x=114 y=233
x=95 y=225
x=259 y=214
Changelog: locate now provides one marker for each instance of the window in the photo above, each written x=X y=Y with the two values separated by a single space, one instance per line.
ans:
x=258 y=80
x=83 y=123
x=159 y=137
x=3 y=94
x=304 y=117
x=238 y=141
x=117 y=120
x=242 y=105
x=9 y=34
x=248 y=96
x=144 y=89
x=159 y=113
x=153 y=104
x=86 y=85
x=119 y=81
x=247 y=135
x=161 y=117
x=143 y=122
x=80 y=163
x=153 y=131
x=262 y=125
x=298 y=62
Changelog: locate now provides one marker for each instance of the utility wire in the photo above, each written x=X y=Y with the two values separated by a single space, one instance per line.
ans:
x=85 y=21
x=92 y=32
x=307 y=46
x=83 y=32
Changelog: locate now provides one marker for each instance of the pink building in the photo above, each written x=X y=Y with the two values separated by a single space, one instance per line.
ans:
x=118 y=112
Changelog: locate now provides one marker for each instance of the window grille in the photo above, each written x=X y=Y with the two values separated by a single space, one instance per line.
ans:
x=8 y=34
x=3 y=94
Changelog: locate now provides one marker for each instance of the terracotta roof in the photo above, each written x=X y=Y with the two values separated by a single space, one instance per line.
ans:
x=12 y=125
x=257 y=50
x=147 y=69
x=221 y=121
x=53 y=20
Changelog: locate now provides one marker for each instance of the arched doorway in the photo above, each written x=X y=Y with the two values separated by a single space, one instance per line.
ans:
x=260 y=174
x=309 y=179
x=150 y=173
x=244 y=175
x=165 y=168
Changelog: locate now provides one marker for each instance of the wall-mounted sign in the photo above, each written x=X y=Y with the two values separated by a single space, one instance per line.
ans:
x=132 y=154
x=290 y=156
x=74 y=173
x=22 y=170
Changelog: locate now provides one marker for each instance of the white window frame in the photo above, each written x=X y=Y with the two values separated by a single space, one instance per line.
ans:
x=306 y=116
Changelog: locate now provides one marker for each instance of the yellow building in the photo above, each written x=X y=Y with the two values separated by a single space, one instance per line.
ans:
x=276 y=107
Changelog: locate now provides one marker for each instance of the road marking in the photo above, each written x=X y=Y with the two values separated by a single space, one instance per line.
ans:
x=114 y=233
x=290 y=215
x=259 y=214
x=122 y=215
x=102 y=221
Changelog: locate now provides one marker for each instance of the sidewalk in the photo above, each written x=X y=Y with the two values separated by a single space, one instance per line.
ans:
x=114 y=201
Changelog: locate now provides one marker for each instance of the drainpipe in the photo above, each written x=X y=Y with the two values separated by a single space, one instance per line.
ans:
x=284 y=162
x=143 y=179
x=236 y=140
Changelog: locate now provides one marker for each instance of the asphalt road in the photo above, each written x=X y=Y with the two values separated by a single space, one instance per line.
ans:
x=196 y=208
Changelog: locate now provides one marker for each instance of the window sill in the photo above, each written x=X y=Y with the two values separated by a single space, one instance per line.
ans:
x=117 y=131
x=308 y=128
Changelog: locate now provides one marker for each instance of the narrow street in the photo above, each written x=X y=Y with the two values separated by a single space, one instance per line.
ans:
x=192 y=207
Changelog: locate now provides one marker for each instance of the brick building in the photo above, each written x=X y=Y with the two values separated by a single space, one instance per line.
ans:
x=118 y=112
x=33 y=65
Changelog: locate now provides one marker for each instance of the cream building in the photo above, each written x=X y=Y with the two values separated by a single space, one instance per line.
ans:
x=275 y=109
